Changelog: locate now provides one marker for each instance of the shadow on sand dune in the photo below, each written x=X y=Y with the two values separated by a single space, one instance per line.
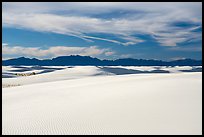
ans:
x=193 y=70
x=44 y=69
x=8 y=75
x=22 y=69
x=116 y=71
x=123 y=71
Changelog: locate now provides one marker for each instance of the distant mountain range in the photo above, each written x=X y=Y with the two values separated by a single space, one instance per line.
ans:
x=74 y=60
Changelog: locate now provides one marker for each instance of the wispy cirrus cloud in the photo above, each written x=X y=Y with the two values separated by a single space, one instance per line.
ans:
x=83 y=19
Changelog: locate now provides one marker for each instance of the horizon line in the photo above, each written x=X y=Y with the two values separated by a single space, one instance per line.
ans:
x=100 y=59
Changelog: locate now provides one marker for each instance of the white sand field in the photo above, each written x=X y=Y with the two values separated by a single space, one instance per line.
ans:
x=81 y=102
x=64 y=74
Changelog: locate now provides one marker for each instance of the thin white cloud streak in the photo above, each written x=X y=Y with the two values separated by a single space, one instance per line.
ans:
x=54 y=51
x=97 y=38
x=4 y=44
x=77 y=20
x=132 y=39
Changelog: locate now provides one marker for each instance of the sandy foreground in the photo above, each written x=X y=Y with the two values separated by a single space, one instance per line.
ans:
x=116 y=104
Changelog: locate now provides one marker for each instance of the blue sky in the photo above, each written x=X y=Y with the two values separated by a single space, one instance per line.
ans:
x=164 y=31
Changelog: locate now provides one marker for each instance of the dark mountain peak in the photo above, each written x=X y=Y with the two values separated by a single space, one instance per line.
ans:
x=34 y=59
x=87 y=60
x=22 y=58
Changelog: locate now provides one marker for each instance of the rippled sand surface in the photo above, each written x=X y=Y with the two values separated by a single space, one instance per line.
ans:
x=119 y=104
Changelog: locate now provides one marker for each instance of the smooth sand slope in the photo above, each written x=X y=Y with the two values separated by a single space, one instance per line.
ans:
x=64 y=74
x=57 y=73
x=120 y=104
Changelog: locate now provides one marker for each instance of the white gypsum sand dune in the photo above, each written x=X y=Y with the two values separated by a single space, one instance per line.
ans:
x=75 y=72
x=64 y=74
x=126 y=104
